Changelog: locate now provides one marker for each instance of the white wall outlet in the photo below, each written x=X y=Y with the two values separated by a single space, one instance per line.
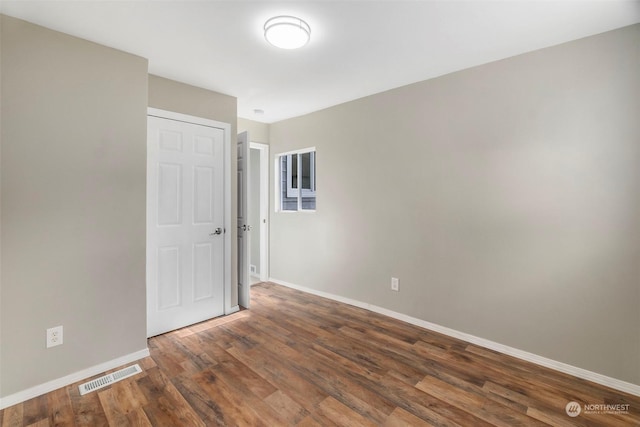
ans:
x=54 y=336
x=395 y=284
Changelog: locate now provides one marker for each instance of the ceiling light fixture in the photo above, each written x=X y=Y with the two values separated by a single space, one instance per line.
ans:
x=287 y=32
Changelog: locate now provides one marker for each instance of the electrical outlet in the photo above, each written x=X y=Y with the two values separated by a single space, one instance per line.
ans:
x=395 y=284
x=54 y=336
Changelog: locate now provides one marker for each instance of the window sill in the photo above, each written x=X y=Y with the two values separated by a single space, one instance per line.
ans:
x=302 y=211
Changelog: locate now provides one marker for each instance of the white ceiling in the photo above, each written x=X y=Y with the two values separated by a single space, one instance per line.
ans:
x=357 y=48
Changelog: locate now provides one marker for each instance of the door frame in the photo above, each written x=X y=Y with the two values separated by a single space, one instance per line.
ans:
x=264 y=208
x=171 y=115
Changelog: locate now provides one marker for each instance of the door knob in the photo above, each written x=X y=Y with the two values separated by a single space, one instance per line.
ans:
x=244 y=227
x=216 y=232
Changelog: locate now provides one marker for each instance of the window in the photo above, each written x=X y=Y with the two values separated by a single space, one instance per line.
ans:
x=296 y=180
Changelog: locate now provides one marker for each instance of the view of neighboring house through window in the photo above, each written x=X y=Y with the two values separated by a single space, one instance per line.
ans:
x=297 y=180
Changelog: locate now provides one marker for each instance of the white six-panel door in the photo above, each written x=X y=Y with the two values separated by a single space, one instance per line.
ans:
x=185 y=224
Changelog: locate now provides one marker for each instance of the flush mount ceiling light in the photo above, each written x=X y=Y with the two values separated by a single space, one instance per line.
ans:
x=287 y=32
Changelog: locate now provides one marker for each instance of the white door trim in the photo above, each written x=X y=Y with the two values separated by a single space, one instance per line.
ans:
x=155 y=112
x=264 y=209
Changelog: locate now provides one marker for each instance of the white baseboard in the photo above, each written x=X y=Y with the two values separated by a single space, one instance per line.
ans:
x=30 y=393
x=520 y=354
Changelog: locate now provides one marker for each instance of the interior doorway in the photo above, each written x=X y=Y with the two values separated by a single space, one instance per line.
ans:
x=259 y=215
x=188 y=210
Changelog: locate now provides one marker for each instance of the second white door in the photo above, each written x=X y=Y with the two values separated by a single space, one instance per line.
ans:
x=244 y=225
x=185 y=224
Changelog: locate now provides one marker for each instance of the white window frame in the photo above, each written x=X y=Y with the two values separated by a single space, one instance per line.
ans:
x=293 y=191
x=306 y=192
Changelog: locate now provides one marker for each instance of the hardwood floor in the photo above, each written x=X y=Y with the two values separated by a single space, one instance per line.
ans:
x=297 y=359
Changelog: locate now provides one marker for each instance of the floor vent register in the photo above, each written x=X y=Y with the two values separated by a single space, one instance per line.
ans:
x=109 y=379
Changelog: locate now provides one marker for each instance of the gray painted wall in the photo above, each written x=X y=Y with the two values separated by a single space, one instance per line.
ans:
x=73 y=175
x=258 y=132
x=505 y=197
x=73 y=204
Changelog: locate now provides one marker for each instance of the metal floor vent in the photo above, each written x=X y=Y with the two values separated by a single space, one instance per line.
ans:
x=113 y=377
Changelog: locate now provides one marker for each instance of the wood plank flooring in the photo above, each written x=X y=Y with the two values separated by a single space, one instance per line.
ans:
x=297 y=359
